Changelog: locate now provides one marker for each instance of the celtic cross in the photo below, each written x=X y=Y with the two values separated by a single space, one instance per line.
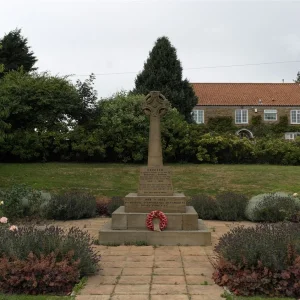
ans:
x=155 y=106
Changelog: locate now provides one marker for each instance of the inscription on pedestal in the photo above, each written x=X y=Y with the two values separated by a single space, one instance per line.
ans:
x=135 y=203
x=155 y=181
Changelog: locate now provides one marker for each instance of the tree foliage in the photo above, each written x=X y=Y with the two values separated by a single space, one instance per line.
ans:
x=88 y=97
x=48 y=118
x=298 y=78
x=35 y=111
x=119 y=132
x=37 y=101
x=1 y=65
x=163 y=72
x=15 y=53
x=119 y=117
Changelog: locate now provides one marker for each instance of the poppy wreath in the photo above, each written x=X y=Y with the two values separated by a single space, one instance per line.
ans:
x=163 y=221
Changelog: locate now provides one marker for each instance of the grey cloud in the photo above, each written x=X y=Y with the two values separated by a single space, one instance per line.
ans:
x=80 y=37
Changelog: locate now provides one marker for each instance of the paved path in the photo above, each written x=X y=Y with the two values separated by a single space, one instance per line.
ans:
x=153 y=273
x=145 y=272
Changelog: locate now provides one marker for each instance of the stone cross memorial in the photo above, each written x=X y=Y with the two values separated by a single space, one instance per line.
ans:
x=155 y=192
x=155 y=184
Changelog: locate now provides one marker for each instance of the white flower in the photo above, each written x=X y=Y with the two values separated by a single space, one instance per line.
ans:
x=3 y=220
x=1 y=202
x=295 y=194
x=13 y=228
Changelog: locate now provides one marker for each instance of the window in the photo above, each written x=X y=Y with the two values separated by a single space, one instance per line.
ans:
x=291 y=135
x=295 y=116
x=241 y=116
x=244 y=132
x=198 y=116
x=270 y=115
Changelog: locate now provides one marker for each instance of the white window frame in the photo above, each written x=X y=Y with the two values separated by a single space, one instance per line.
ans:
x=197 y=116
x=291 y=135
x=270 y=111
x=297 y=112
x=241 y=111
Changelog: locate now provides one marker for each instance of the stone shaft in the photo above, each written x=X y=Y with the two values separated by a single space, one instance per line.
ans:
x=155 y=151
x=155 y=106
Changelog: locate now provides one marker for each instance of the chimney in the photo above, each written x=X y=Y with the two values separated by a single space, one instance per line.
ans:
x=282 y=80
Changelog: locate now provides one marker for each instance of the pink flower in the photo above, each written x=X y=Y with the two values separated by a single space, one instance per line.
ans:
x=13 y=228
x=3 y=220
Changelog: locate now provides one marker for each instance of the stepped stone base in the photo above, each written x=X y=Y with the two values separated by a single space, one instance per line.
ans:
x=168 y=237
x=122 y=220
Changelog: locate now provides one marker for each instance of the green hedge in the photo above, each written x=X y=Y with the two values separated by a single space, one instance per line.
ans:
x=118 y=132
x=227 y=206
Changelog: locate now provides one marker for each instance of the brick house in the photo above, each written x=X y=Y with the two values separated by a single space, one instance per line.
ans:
x=242 y=101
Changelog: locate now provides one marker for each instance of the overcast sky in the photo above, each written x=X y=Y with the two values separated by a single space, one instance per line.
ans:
x=84 y=36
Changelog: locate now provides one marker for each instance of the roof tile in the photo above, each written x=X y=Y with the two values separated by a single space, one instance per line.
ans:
x=267 y=94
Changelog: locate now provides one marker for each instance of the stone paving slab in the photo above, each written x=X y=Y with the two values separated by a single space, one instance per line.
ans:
x=153 y=273
x=95 y=297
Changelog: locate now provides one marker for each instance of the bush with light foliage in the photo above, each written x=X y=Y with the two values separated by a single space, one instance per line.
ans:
x=272 y=207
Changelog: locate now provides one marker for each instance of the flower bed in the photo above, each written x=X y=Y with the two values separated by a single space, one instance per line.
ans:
x=44 y=261
x=263 y=260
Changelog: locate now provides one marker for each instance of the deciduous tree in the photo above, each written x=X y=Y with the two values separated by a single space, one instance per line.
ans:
x=88 y=97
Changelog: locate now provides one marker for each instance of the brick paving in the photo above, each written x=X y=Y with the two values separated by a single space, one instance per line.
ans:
x=152 y=273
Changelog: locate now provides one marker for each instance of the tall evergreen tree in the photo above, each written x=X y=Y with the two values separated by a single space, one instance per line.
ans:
x=298 y=78
x=163 y=72
x=15 y=53
x=1 y=65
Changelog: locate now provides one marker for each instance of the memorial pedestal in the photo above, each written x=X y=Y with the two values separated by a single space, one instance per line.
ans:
x=122 y=220
x=183 y=228
x=199 y=237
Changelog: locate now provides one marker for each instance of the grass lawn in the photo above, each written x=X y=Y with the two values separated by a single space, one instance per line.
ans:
x=120 y=179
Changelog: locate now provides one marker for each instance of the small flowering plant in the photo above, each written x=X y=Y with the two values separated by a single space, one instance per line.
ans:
x=1 y=205
x=4 y=222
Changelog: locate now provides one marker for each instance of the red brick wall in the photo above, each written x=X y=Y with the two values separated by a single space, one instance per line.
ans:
x=229 y=111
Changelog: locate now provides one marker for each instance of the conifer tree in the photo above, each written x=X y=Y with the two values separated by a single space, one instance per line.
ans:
x=15 y=53
x=1 y=65
x=163 y=72
x=298 y=78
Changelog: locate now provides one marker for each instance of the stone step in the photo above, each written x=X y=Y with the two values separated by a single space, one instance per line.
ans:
x=122 y=220
x=199 y=237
